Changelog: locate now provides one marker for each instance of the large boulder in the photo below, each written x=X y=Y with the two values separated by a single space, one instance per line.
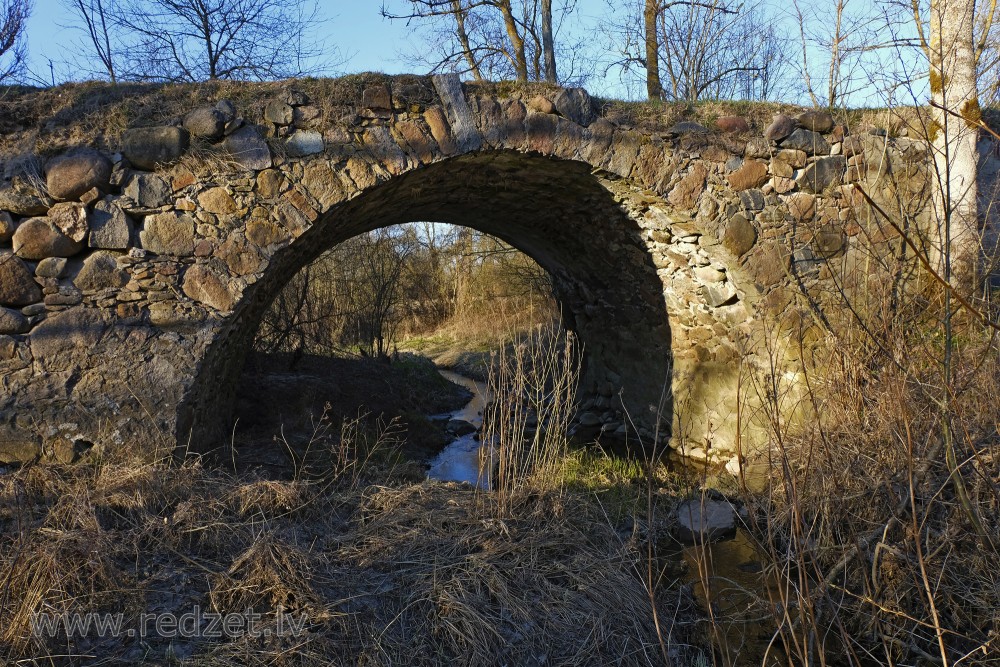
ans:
x=205 y=122
x=38 y=238
x=248 y=148
x=17 y=285
x=149 y=147
x=100 y=271
x=110 y=227
x=69 y=176
x=169 y=234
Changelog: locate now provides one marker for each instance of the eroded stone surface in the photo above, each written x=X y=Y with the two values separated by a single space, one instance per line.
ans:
x=38 y=238
x=17 y=286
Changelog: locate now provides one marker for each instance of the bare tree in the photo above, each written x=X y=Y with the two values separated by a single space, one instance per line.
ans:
x=840 y=45
x=494 y=39
x=651 y=41
x=953 y=54
x=548 y=44
x=96 y=17
x=696 y=49
x=196 y=40
x=13 y=17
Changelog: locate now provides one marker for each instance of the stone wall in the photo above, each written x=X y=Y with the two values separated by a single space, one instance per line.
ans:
x=132 y=280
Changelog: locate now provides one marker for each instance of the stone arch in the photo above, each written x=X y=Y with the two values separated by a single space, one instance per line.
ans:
x=555 y=211
x=130 y=281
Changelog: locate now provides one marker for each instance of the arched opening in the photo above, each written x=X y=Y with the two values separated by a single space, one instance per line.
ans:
x=557 y=212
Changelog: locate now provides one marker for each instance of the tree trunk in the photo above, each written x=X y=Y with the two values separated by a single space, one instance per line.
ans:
x=548 y=46
x=956 y=115
x=463 y=39
x=654 y=89
x=516 y=40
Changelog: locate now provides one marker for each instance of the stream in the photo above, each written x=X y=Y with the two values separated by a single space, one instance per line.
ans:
x=460 y=460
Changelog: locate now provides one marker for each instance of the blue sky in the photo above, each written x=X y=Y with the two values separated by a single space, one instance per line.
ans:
x=354 y=26
x=372 y=43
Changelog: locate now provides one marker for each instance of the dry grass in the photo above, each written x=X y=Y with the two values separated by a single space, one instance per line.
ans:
x=532 y=386
x=385 y=574
x=880 y=520
x=47 y=121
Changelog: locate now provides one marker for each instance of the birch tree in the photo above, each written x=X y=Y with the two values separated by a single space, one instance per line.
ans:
x=953 y=56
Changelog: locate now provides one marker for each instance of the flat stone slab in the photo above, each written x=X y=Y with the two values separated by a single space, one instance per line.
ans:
x=705 y=520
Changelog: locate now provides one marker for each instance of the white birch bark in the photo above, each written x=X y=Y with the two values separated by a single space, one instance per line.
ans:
x=956 y=114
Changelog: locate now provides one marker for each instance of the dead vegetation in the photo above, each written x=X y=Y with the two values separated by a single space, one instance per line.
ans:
x=383 y=573
x=881 y=515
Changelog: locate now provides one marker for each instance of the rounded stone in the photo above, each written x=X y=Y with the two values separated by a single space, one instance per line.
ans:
x=12 y=322
x=22 y=203
x=705 y=520
x=304 y=142
x=17 y=285
x=817 y=121
x=205 y=122
x=732 y=124
x=811 y=142
x=38 y=238
x=70 y=176
x=541 y=104
x=278 y=112
x=149 y=147
x=6 y=227
x=100 y=271
x=780 y=127
x=52 y=267
x=248 y=148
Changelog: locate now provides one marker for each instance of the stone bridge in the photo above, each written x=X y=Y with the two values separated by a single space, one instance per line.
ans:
x=135 y=265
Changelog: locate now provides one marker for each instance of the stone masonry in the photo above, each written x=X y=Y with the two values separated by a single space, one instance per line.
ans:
x=132 y=282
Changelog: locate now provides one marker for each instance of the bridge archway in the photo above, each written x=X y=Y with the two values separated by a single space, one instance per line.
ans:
x=555 y=211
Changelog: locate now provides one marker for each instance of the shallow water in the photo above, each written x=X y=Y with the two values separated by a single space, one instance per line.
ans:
x=460 y=460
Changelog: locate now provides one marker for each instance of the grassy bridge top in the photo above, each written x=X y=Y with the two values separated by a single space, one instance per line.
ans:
x=48 y=120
